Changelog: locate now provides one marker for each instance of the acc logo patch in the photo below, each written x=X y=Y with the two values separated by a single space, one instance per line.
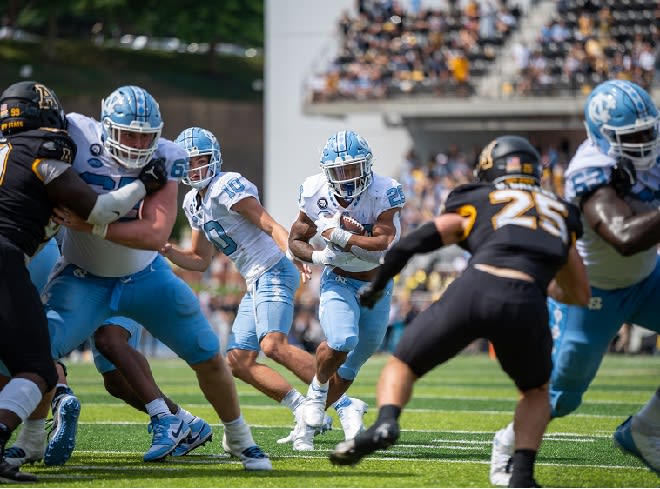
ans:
x=95 y=149
x=600 y=106
x=322 y=203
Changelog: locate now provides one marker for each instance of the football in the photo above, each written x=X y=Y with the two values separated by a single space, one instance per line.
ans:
x=352 y=225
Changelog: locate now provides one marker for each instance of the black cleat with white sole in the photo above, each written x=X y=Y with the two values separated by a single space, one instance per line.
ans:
x=380 y=436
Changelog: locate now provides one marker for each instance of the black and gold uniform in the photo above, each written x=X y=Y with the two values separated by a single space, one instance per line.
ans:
x=517 y=227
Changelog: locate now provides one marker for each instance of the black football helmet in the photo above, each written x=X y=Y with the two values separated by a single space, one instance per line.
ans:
x=510 y=158
x=30 y=105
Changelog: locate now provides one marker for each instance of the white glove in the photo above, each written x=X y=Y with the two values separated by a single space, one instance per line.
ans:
x=331 y=257
x=324 y=222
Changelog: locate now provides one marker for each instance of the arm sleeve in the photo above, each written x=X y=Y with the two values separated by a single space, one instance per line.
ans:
x=113 y=205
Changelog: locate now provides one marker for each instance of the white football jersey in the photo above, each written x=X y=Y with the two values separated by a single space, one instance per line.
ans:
x=384 y=193
x=102 y=172
x=251 y=249
x=606 y=268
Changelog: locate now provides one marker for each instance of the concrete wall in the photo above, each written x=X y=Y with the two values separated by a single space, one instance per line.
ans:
x=300 y=36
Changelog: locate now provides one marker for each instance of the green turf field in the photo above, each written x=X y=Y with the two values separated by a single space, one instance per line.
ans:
x=445 y=442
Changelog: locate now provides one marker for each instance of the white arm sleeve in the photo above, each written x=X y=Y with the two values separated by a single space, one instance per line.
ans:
x=113 y=205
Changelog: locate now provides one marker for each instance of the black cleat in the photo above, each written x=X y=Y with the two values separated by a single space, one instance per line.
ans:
x=10 y=474
x=379 y=437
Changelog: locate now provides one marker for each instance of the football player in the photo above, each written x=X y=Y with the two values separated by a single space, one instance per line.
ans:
x=36 y=173
x=116 y=270
x=225 y=214
x=520 y=237
x=347 y=186
x=615 y=180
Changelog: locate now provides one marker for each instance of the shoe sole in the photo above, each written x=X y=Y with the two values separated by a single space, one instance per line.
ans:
x=201 y=442
x=67 y=428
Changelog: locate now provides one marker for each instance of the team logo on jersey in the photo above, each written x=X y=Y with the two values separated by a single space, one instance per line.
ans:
x=322 y=203
x=95 y=149
x=600 y=106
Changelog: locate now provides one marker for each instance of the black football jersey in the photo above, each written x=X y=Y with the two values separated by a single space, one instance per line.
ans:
x=517 y=226
x=25 y=209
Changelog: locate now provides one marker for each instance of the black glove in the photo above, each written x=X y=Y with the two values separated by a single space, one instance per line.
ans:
x=368 y=295
x=623 y=176
x=154 y=175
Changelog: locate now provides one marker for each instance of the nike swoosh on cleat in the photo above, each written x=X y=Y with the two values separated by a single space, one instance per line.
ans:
x=176 y=433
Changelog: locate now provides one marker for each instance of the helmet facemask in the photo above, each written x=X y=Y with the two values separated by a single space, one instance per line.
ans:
x=200 y=142
x=129 y=156
x=638 y=142
x=348 y=179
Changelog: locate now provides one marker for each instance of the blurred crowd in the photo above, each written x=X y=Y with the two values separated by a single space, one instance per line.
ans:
x=389 y=50
x=588 y=42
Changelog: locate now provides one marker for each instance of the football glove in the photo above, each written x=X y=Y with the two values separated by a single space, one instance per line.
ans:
x=154 y=175
x=369 y=295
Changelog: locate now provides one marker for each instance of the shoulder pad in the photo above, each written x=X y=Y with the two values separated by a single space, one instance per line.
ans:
x=57 y=147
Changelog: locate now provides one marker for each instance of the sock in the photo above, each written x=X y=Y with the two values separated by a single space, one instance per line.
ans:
x=157 y=407
x=235 y=425
x=342 y=402
x=32 y=432
x=509 y=436
x=292 y=400
x=185 y=415
x=523 y=467
x=650 y=412
x=318 y=386
x=388 y=412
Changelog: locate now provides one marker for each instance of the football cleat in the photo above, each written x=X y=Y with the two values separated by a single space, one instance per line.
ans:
x=380 y=436
x=313 y=407
x=200 y=433
x=243 y=447
x=293 y=435
x=11 y=475
x=351 y=418
x=62 y=435
x=168 y=432
x=18 y=456
x=501 y=460
x=643 y=446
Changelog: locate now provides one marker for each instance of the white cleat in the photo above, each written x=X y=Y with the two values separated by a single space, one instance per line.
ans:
x=351 y=418
x=635 y=437
x=243 y=447
x=501 y=460
x=27 y=454
x=313 y=407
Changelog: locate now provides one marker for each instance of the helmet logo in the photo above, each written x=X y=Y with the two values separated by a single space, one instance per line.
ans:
x=486 y=157
x=46 y=99
x=600 y=106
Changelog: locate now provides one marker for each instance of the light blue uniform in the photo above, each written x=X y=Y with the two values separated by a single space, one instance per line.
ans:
x=349 y=327
x=96 y=279
x=624 y=289
x=270 y=277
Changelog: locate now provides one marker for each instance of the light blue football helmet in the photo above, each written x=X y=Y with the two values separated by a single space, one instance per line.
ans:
x=346 y=162
x=130 y=109
x=199 y=142
x=622 y=120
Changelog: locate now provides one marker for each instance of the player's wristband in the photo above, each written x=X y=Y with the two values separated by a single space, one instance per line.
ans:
x=340 y=237
x=100 y=230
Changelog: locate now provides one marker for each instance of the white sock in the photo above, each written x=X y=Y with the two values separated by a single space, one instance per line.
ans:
x=33 y=431
x=318 y=386
x=342 y=402
x=650 y=412
x=509 y=436
x=185 y=415
x=157 y=407
x=292 y=400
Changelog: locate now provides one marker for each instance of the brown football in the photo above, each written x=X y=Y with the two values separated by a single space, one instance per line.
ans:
x=352 y=225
